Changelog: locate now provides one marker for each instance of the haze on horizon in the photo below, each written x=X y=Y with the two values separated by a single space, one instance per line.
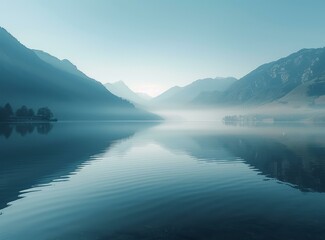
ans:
x=153 y=45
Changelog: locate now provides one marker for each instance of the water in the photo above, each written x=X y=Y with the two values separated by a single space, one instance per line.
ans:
x=198 y=180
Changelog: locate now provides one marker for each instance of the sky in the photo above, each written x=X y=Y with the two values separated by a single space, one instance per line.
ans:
x=152 y=45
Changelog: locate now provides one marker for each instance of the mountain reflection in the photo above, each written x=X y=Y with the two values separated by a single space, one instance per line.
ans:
x=277 y=160
x=296 y=158
x=32 y=154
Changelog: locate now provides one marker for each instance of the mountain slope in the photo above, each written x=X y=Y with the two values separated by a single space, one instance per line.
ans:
x=303 y=72
x=120 y=89
x=144 y=96
x=206 y=98
x=183 y=95
x=64 y=65
x=165 y=96
x=28 y=80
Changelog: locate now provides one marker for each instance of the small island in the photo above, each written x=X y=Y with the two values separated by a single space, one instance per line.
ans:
x=25 y=114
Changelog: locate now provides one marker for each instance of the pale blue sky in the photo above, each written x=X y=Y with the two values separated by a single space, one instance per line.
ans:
x=154 y=44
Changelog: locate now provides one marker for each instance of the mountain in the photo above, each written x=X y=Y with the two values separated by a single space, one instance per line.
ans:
x=165 y=96
x=64 y=65
x=120 y=89
x=144 y=96
x=38 y=79
x=184 y=95
x=206 y=98
x=296 y=79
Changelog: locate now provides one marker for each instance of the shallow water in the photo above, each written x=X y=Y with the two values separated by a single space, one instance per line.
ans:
x=180 y=180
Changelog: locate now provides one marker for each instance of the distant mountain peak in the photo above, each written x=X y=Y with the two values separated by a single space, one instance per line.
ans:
x=175 y=87
x=185 y=95
x=144 y=95
x=214 y=79
x=68 y=62
x=121 y=83
x=228 y=77
x=120 y=89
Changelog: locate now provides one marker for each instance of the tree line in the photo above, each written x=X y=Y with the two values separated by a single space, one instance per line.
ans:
x=7 y=114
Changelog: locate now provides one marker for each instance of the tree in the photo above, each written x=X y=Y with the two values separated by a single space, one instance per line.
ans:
x=22 y=112
x=2 y=115
x=30 y=113
x=45 y=113
x=6 y=112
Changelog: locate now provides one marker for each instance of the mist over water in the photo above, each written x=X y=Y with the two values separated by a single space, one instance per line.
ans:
x=171 y=180
x=264 y=113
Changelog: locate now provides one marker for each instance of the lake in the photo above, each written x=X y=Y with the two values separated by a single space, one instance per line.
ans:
x=172 y=180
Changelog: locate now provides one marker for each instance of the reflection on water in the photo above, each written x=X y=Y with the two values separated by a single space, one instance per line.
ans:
x=24 y=128
x=167 y=181
x=37 y=158
x=294 y=155
x=303 y=166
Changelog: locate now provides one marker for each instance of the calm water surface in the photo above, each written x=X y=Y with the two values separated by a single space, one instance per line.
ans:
x=198 y=180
